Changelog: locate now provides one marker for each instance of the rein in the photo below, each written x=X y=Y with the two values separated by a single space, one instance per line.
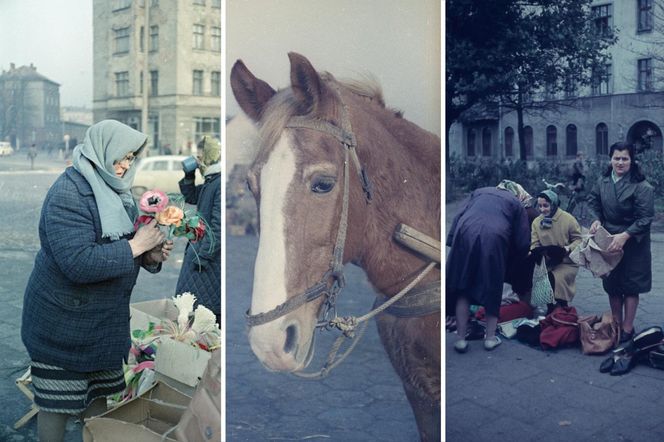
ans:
x=333 y=280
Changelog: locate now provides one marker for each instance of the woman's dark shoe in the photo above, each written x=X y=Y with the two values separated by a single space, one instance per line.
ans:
x=649 y=337
x=623 y=364
x=626 y=336
x=620 y=352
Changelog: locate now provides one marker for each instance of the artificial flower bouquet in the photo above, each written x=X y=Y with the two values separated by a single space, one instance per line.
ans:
x=170 y=213
x=197 y=328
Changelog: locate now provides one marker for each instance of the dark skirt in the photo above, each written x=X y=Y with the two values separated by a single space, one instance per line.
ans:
x=69 y=392
x=633 y=274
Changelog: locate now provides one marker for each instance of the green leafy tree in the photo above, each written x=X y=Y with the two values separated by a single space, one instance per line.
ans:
x=514 y=51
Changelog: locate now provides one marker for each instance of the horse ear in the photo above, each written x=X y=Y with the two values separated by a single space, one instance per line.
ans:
x=306 y=83
x=251 y=93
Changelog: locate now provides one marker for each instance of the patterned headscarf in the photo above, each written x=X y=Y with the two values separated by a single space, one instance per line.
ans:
x=518 y=191
x=554 y=201
x=210 y=158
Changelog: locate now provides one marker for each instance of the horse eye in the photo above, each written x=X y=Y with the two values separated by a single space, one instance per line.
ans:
x=322 y=184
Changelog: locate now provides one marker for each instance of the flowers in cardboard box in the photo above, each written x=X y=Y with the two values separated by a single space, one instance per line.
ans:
x=169 y=211
x=202 y=332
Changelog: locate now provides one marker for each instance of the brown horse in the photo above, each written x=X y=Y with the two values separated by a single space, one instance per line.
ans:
x=316 y=200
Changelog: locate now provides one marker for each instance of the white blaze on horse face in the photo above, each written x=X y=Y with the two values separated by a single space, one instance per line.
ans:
x=270 y=269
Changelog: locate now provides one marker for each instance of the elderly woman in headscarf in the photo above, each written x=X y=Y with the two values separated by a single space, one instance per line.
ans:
x=76 y=305
x=201 y=268
x=489 y=240
x=554 y=234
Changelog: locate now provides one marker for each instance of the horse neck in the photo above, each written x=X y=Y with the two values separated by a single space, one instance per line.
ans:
x=403 y=165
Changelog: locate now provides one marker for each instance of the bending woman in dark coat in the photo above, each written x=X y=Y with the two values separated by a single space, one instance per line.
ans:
x=490 y=237
x=623 y=202
x=201 y=268
x=76 y=307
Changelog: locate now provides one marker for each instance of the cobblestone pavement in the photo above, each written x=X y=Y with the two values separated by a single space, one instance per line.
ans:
x=22 y=192
x=361 y=400
x=517 y=392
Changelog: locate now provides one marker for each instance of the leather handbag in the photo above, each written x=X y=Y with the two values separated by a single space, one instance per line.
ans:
x=560 y=328
x=597 y=334
x=542 y=292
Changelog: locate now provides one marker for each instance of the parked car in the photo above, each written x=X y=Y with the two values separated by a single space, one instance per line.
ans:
x=5 y=149
x=160 y=172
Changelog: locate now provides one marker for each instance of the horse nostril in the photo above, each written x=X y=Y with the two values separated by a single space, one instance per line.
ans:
x=291 y=338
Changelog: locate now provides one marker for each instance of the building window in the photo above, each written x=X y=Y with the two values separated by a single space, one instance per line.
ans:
x=570 y=87
x=551 y=141
x=154 y=38
x=154 y=83
x=199 y=31
x=122 y=84
x=509 y=142
x=121 y=4
x=601 y=81
x=602 y=19
x=215 y=39
x=216 y=3
x=486 y=142
x=528 y=141
x=141 y=37
x=198 y=83
x=199 y=2
x=470 y=143
x=602 y=139
x=140 y=83
x=121 y=40
x=645 y=16
x=154 y=2
x=550 y=91
x=571 y=141
x=645 y=74
x=207 y=126
x=215 y=83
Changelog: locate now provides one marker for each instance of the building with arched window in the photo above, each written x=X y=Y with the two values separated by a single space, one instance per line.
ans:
x=624 y=104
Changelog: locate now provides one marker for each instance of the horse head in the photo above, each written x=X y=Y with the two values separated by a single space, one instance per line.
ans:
x=297 y=179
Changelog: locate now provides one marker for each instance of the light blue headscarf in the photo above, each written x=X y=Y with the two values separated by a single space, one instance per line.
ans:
x=106 y=142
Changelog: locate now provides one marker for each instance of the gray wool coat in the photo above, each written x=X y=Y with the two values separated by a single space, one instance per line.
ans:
x=201 y=268
x=76 y=303
x=626 y=206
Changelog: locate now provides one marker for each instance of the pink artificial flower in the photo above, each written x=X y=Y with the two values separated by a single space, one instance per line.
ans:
x=142 y=220
x=153 y=201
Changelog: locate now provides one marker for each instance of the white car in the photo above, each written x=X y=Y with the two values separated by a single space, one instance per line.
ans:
x=160 y=172
x=5 y=149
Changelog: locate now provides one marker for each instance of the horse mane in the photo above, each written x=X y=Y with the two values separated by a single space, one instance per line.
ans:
x=283 y=106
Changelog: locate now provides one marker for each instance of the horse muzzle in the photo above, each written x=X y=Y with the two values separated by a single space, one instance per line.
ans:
x=282 y=345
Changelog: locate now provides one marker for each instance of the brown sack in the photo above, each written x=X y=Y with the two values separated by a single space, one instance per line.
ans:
x=201 y=421
x=597 y=335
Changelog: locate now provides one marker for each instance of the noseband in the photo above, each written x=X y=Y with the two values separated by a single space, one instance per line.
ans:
x=333 y=280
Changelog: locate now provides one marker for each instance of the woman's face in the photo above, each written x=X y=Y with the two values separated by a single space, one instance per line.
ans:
x=121 y=167
x=621 y=162
x=543 y=206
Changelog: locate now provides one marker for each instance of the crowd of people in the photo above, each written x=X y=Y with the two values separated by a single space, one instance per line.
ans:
x=500 y=232
x=75 y=322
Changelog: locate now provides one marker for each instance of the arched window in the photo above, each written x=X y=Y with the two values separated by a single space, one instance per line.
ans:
x=486 y=142
x=551 y=141
x=572 y=146
x=528 y=141
x=470 y=143
x=602 y=139
x=509 y=142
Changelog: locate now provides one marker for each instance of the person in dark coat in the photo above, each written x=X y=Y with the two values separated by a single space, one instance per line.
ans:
x=622 y=201
x=489 y=240
x=201 y=267
x=75 y=322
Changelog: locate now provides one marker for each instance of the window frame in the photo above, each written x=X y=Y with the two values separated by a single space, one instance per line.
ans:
x=198 y=36
x=644 y=16
x=197 y=82
x=122 y=37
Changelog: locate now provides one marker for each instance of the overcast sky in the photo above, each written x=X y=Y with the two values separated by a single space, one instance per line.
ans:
x=54 y=35
x=397 y=41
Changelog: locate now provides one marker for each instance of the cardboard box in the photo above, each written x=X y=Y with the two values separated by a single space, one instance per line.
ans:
x=142 y=313
x=151 y=417
x=179 y=361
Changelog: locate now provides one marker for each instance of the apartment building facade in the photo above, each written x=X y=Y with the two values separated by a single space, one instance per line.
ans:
x=157 y=68
x=29 y=107
x=626 y=103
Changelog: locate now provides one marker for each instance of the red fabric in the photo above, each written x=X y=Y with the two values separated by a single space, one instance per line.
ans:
x=559 y=328
x=508 y=312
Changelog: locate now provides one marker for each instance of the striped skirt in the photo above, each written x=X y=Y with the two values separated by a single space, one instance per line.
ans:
x=58 y=390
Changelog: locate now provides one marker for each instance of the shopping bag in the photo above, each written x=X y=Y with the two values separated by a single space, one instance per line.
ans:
x=542 y=292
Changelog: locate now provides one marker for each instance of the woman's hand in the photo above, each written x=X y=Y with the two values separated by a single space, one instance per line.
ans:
x=159 y=253
x=147 y=237
x=618 y=242
x=594 y=226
